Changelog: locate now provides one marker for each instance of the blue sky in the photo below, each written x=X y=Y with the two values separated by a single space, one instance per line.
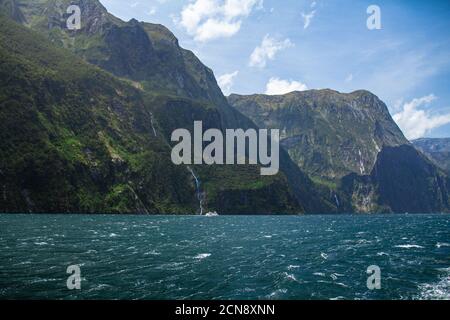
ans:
x=272 y=46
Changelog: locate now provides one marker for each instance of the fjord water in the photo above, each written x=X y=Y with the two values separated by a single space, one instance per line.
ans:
x=235 y=257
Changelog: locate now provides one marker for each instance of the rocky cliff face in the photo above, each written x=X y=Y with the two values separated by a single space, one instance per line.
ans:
x=349 y=144
x=177 y=90
x=437 y=150
x=402 y=181
x=328 y=134
x=76 y=139
x=79 y=139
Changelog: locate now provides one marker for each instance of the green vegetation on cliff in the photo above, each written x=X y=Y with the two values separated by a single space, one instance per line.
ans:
x=79 y=139
x=350 y=146
x=76 y=139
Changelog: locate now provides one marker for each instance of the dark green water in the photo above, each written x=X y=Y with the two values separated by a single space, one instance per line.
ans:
x=145 y=257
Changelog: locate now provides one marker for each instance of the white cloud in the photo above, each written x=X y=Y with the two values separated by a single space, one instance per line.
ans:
x=267 y=51
x=226 y=82
x=307 y=18
x=211 y=19
x=415 y=122
x=397 y=105
x=276 y=86
x=349 y=78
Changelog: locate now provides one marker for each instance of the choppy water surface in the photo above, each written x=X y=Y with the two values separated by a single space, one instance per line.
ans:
x=145 y=257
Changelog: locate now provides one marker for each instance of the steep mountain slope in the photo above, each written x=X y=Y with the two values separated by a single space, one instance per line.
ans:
x=75 y=139
x=177 y=90
x=437 y=150
x=350 y=144
x=143 y=52
x=327 y=133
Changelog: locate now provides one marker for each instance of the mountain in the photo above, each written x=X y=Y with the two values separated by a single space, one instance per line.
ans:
x=437 y=150
x=76 y=139
x=80 y=139
x=87 y=117
x=349 y=144
x=327 y=133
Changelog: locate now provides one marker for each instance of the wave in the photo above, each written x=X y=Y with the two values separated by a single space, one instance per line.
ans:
x=319 y=274
x=202 y=256
x=276 y=294
x=409 y=246
x=290 y=276
x=41 y=243
x=436 y=291
x=152 y=253
x=291 y=267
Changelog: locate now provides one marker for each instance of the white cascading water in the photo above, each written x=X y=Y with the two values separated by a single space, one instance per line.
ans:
x=153 y=126
x=197 y=186
x=337 y=200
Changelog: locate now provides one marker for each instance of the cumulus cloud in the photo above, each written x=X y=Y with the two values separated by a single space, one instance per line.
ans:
x=267 y=51
x=416 y=122
x=211 y=19
x=277 y=86
x=226 y=82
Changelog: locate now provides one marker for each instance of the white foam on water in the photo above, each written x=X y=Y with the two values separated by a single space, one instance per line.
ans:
x=292 y=267
x=342 y=285
x=436 y=291
x=41 y=243
x=442 y=244
x=246 y=290
x=152 y=253
x=409 y=246
x=319 y=274
x=337 y=298
x=277 y=293
x=290 y=276
x=324 y=255
x=202 y=256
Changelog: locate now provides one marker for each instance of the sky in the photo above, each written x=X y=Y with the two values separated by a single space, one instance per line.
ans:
x=397 y=49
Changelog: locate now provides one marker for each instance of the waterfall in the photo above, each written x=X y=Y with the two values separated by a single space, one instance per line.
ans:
x=136 y=197
x=153 y=126
x=198 y=191
x=337 y=200
x=362 y=169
